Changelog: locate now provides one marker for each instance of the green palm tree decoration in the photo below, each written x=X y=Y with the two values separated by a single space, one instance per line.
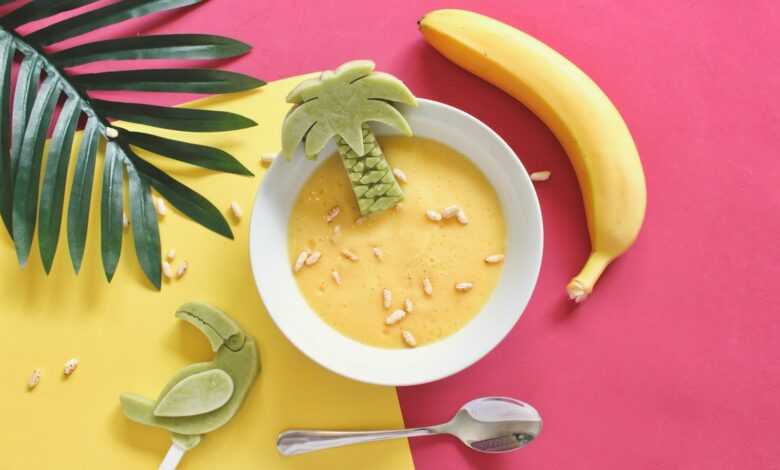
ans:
x=43 y=81
x=339 y=104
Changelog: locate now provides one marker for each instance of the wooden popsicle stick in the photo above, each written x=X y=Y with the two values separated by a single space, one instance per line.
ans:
x=173 y=457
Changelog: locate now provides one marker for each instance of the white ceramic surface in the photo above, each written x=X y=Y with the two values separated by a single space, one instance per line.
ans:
x=304 y=328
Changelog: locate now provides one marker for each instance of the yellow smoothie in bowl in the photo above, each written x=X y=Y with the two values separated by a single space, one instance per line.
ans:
x=359 y=274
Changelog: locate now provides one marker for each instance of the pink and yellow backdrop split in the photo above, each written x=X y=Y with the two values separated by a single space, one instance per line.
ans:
x=672 y=363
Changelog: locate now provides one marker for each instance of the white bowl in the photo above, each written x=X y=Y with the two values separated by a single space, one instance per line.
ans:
x=345 y=356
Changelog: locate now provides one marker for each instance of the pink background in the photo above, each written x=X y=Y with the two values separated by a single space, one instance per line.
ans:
x=675 y=361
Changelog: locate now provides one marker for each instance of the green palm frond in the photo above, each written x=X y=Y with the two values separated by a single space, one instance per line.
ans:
x=30 y=193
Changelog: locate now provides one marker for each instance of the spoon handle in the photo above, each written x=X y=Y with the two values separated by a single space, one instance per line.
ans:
x=302 y=441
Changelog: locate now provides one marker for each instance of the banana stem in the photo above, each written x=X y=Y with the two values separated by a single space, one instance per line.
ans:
x=582 y=285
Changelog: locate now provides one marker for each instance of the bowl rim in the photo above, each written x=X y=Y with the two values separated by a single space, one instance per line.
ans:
x=269 y=296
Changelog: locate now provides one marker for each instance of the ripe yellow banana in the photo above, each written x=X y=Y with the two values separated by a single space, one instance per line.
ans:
x=580 y=115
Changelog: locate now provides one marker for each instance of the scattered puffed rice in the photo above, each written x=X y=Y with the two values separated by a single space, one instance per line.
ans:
x=408 y=305
x=450 y=212
x=336 y=277
x=494 y=259
x=395 y=317
x=427 y=286
x=347 y=253
x=408 y=338
x=125 y=220
x=462 y=217
x=112 y=133
x=167 y=270
x=399 y=173
x=378 y=253
x=162 y=209
x=387 y=298
x=267 y=158
x=171 y=255
x=70 y=366
x=235 y=209
x=432 y=215
x=183 y=266
x=34 y=379
x=463 y=286
x=332 y=214
x=301 y=260
x=312 y=258
x=540 y=175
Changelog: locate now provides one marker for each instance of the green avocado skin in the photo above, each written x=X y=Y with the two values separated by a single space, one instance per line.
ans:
x=242 y=366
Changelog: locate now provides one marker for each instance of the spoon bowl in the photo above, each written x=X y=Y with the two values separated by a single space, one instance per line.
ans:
x=495 y=424
x=487 y=424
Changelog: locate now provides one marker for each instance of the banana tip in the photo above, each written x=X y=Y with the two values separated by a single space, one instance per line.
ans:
x=577 y=291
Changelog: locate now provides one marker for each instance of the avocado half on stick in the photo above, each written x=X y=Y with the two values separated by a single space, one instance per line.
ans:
x=340 y=104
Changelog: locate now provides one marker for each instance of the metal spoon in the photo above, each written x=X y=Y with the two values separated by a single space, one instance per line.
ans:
x=488 y=424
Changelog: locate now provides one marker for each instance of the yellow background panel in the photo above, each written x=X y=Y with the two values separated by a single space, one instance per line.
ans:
x=127 y=339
